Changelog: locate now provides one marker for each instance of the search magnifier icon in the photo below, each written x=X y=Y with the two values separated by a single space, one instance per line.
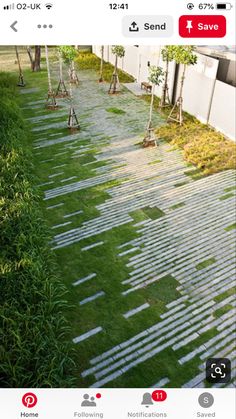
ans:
x=218 y=370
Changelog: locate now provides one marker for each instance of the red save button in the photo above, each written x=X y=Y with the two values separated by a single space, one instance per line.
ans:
x=201 y=26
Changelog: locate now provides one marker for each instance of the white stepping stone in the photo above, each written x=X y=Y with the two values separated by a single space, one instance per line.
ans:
x=45 y=183
x=55 y=175
x=56 y=206
x=69 y=178
x=87 y=335
x=92 y=298
x=72 y=214
x=59 y=166
x=85 y=279
x=91 y=246
x=135 y=310
x=60 y=154
x=161 y=383
x=61 y=225
x=134 y=249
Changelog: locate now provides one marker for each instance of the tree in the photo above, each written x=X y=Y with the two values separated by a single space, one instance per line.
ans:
x=101 y=64
x=119 y=52
x=36 y=60
x=155 y=78
x=167 y=56
x=69 y=54
x=183 y=55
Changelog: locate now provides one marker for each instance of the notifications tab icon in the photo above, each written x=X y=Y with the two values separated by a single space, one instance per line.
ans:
x=201 y=26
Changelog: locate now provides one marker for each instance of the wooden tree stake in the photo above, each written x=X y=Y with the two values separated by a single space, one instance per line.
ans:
x=61 y=88
x=73 y=122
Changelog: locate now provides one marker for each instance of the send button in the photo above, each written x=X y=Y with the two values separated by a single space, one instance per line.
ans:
x=148 y=26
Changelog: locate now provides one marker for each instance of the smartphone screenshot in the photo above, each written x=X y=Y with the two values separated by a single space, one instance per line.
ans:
x=117 y=209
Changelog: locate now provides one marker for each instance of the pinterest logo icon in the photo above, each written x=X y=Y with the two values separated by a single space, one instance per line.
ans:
x=29 y=400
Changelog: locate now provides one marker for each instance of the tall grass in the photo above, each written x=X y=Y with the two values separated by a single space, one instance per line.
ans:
x=33 y=351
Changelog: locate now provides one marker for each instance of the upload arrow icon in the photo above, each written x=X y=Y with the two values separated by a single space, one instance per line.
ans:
x=134 y=27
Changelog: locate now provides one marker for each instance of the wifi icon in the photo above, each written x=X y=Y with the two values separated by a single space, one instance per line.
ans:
x=48 y=5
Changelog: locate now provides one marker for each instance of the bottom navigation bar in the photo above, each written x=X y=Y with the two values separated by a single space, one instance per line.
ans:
x=117 y=403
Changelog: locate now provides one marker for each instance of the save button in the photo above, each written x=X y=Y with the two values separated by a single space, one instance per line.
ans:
x=201 y=26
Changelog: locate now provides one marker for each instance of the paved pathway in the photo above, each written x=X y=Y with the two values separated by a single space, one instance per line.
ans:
x=190 y=241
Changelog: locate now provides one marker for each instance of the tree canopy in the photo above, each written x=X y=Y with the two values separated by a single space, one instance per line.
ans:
x=68 y=53
x=118 y=50
x=185 y=55
x=156 y=75
x=168 y=52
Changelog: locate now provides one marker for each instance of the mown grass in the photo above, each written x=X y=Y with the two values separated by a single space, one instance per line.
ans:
x=231 y=227
x=116 y=111
x=87 y=60
x=176 y=206
x=34 y=349
x=205 y=263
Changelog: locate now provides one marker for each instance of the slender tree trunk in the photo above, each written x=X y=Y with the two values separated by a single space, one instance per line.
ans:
x=72 y=69
x=73 y=122
x=29 y=50
x=115 y=79
x=35 y=62
x=151 y=108
x=60 y=69
x=165 y=94
x=115 y=73
x=48 y=69
x=61 y=88
x=18 y=60
x=21 y=82
x=101 y=64
x=72 y=73
x=180 y=100
x=149 y=139
x=51 y=101
x=37 y=59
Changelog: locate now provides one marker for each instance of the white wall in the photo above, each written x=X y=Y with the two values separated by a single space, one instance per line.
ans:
x=223 y=109
x=199 y=86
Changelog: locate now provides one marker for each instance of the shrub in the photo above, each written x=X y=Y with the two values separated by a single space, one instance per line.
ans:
x=88 y=61
x=204 y=147
x=33 y=329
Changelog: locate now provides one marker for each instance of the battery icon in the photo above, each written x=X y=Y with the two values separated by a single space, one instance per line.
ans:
x=224 y=6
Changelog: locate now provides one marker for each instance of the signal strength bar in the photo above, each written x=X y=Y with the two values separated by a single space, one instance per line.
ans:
x=9 y=7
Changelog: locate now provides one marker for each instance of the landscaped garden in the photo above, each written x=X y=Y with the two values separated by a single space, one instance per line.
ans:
x=118 y=260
